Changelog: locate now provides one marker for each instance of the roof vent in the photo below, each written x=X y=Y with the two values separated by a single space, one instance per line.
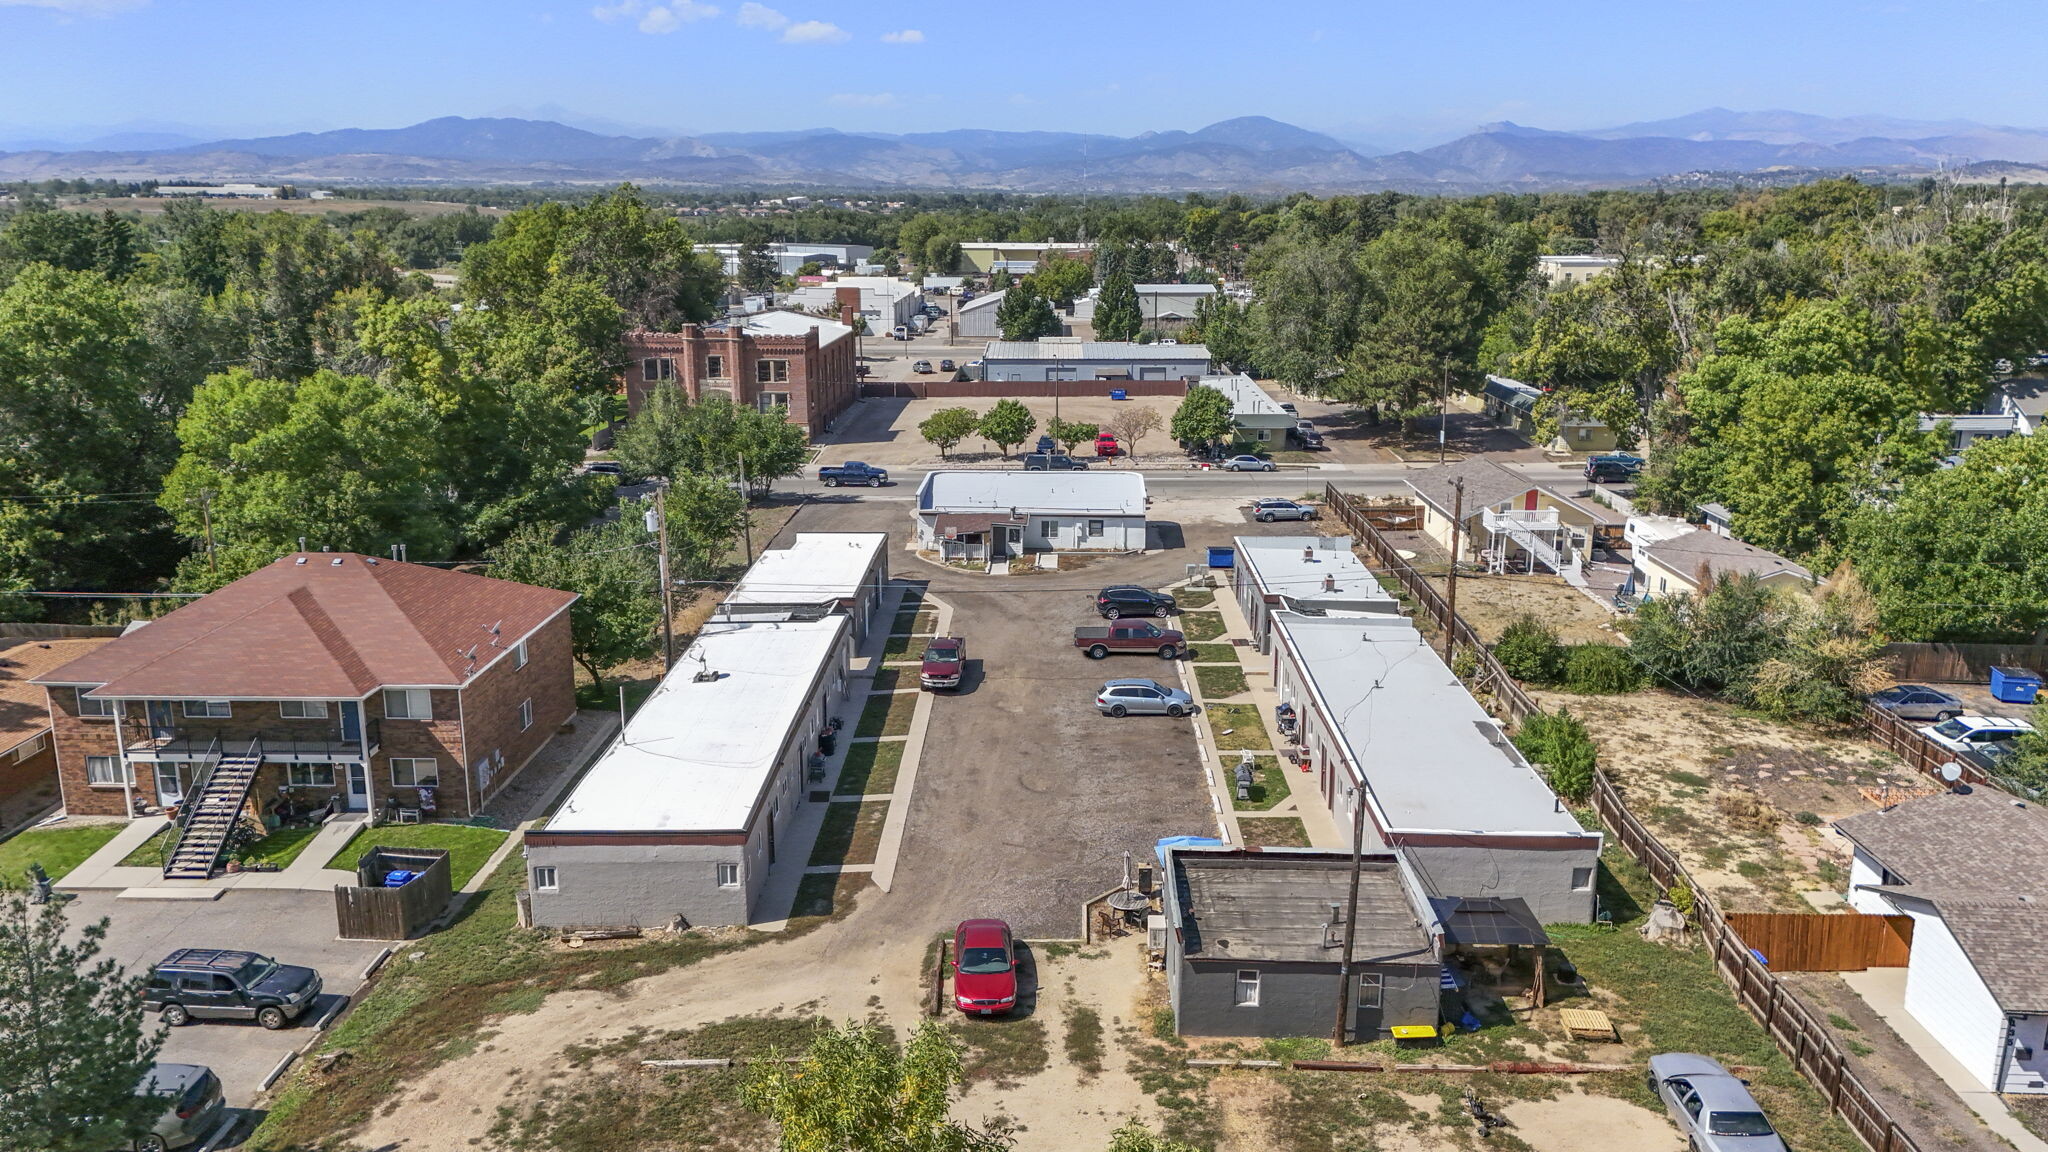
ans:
x=334 y=563
x=298 y=560
x=1329 y=583
x=1308 y=555
x=370 y=560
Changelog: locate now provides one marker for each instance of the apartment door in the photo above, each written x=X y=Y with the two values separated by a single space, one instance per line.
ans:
x=170 y=788
x=351 y=722
x=358 y=788
x=1013 y=540
x=161 y=724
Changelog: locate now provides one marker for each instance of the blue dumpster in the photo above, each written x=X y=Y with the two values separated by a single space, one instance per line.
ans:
x=1222 y=557
x=2015 y=685
x=1119 y=394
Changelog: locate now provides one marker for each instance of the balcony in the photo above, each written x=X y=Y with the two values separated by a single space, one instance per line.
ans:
x=308 y=743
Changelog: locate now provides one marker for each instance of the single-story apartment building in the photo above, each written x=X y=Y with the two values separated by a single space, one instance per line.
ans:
x=1515 y=405
x=885 y=301
x=1255 y=940
x=1065 y=358
x=1508 y=515
x=679 y=819
x=820 y=573
x=1379 y=721
x=976 y=319
x=976 y=515
x=1253 y=411
x=1971 y=869
x=1564 y=271
x=1687 y=562
x=1306 y=574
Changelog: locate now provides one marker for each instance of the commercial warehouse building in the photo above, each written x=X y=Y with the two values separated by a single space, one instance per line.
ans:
x=1061 y=358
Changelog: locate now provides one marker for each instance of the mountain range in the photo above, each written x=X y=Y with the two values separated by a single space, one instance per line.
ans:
x=1251 y=153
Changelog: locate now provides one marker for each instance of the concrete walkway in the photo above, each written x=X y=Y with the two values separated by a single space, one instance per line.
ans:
x=1884 y=989
x=97 y=869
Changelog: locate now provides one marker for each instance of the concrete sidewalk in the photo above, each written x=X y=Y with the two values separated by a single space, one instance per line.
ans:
x=1884 y=989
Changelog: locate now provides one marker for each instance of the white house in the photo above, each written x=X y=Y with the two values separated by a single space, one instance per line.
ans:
x=885 y=302
x=1254 y=411
x=971 y=515
x=1563 y=271
x=1971 y=869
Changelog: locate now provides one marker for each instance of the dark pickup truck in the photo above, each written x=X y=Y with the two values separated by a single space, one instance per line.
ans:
x=853 y=472
x=1130 y=636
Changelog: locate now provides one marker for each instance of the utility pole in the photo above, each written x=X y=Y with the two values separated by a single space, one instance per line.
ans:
x=1339 y=1033
x=206 y=517
x=1443 y=412
x=657 y=523
x=746 y=513
x=1451 y=593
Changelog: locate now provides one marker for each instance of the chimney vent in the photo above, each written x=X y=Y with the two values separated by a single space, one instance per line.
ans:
x=1329 y=583
x=1308 y=555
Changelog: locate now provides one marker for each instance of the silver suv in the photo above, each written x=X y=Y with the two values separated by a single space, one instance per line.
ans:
x=193 y=1105
x=1142 y=698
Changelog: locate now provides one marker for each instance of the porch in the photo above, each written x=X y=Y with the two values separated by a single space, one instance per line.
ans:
x=297 y=744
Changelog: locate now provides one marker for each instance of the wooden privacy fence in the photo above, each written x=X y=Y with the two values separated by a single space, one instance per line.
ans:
x=1920 y=754
x=371 y=911
x=1960 y=663
x=1804 y=1039
x=1817 y=942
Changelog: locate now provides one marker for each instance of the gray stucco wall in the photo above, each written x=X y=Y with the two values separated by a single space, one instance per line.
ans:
x=638 y=885
x=1543 y=878
x=1295 y=999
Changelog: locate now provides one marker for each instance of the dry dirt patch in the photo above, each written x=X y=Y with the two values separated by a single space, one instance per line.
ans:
x=1490 y=603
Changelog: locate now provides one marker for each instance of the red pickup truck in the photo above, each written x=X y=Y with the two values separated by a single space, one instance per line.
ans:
x=1130 y=636
x=945 y=657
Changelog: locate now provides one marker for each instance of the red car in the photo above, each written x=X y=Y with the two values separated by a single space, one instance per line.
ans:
x=944 y=659
x=1106 y=445
x=984 y=968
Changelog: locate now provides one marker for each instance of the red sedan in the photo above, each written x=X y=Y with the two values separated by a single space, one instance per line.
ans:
x=984 y=968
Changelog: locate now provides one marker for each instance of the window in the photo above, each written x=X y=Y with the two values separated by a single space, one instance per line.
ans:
x=1247 y=988
x=1046 y=529
x=407 y=704
x=770 y=401
x=525 y=714
x=728 y=875
x=519 y=655
x=1585 y=433
x=93 y=706
x=101 y=770
x=207 y=709
x=310 y=775
x=544 y=878
x=302 y=709
x=1094 y=528
x=657 y=368
x=1370 y=987
x=771 y=371
x=29 y=747
x=1582 y=879
x=714 y=367
x=415 y=772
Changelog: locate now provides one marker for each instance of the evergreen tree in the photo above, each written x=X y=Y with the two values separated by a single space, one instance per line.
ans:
x=1116 y=310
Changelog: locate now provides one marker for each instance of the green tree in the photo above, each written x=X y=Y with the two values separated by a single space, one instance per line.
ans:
x=1528 y=650
x=1225 y=328
x=854 y=1091
x=1117 y=316
x=758 y=270
x=947 y=427
x=1068 y=434
x=73 y=1045
x=611 y=569
x=1558 y=742
x=670 y=436
x=1007 y=424
x=1203 y=417
x=1022 y=314
x=1062 y=279
x=705 y=518
x=642 y=258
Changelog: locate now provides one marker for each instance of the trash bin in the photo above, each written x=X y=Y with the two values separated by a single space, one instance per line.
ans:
x=2015 y=685
x=1119 y=394
x=398 y=877
x=1222 y=556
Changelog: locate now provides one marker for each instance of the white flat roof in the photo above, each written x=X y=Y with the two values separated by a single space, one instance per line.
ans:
x=1121 y=350
x=696 y=756
x=816 y=567
x=1433 y=760
x=1073 y=493
x=1246 y=397
x=1298 y=568
x=782 y=322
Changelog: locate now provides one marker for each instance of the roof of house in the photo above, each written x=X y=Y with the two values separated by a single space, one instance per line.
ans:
x=980 y=302
x=1174 y=289
x=816 y=567
x=24 y=706
x=1246 y=397
x=1117 y=493
x=1686 y=552
x=1513 y=393
x=1302 y=569
x=1093 y=350
x=1229 y=904
x=1978 y=424
x=2027 y=395
x=320 y=626
x=1581 y=261
x=1487 y=485
x=783 y=322
x=698 y=754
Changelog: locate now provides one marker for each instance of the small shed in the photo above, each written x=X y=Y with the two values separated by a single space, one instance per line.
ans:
x=398 y=892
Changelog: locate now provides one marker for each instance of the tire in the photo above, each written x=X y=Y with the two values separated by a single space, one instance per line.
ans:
x=150 y=1143
x=831 y=483
x=272 y=1018
x=1168 y=652
x=1264 y=517
x=1310 y=515
x=874 y=481
x=1111 y=613
x=175 y=1015
x=1175 y=711
x=1118 y=711
x=1162 y=611
x=1272 y=467
x=1941 y=716
x=1097 y=652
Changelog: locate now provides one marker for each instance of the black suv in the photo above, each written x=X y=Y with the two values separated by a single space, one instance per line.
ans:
x=1602 y=471
x=1053 y=462
x=214 y=984
x=1131 y=600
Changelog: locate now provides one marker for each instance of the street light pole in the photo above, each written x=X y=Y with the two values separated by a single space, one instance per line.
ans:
x=1340 y=1032
x=1451 y=591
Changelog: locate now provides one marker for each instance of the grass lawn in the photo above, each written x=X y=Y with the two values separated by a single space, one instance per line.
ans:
x=1212 y=653
x=1269 y=783
x=149 y=853
x=1200 y=626
x=58 y=849
x=902 y=647
x=907 y=623
x=850 y=834
x=870 y=768
x=827 y=896
x=1273 y=831
x=1220 y=680
x=1195 y=597
x=889 y=680
x=468 y=848
x=1247 y=729
x=284 y=845
x=1001 y=1051
x=887 y=715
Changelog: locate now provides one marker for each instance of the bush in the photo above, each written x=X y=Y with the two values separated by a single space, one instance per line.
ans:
x=1529 y=650
x=1601 y=669
x=1558 y=742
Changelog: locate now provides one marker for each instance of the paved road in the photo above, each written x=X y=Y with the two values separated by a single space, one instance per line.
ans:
x=1196 y=484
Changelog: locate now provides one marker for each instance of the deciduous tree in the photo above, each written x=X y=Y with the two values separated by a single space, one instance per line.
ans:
x=1117 y=316
x=947 y=427
x=1007 y=424
x=611 y=569
x=1070 y=433
x=855 y=1091
x=1203 y=417
x=1131 y=425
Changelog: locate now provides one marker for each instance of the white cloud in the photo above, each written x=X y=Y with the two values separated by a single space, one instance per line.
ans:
x=653 y=19
x=754 y=15
x=618 y=11
x=863 y=99
x=78 y=7
x=907 y=36
x=813 y=32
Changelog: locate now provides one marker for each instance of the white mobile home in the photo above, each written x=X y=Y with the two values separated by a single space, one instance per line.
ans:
x=978 y=515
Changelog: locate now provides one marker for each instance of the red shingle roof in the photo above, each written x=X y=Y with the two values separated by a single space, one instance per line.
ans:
x=320 y=625
x=24 y=709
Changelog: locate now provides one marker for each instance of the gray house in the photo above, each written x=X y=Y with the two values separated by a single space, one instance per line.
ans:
x=1063 y=358
x=1253 y=411
x=1255 y=939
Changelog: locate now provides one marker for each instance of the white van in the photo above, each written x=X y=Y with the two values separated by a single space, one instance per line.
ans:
x=899 y=333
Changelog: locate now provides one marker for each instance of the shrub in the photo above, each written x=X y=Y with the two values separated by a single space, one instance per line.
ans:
x=1528 y=649
x=1808 y=818
x=1558 y=742
x=1601 y=669
x=1681 y=898
x=1464 y=664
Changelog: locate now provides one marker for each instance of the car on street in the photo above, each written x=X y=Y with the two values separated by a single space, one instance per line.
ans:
x=193 y=1105
x=945 y=659
x=1288 y=408
x=1130 y=600
x=1610 y=471
x=922 y=367
x=948 y=366
x=605 y=468
x=1917 y=702
x=1626 y=459
x=1142 y=698
x=220 y=984
x=1711 y=1106
x=853 y=472
x=1976 y=733
x=984 y=968
x=1053 y=462
x=900 y=332
x=1248 y=464
x=1130 y=636
x=1275 y=508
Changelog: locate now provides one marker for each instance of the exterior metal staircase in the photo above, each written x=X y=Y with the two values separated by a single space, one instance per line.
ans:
x=217 y=797
x=1529 y=533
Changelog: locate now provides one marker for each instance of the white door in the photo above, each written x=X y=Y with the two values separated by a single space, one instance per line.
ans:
x=358 y=788
x=169 y=788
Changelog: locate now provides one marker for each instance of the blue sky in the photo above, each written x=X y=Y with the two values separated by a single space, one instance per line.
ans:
x=1402 y=73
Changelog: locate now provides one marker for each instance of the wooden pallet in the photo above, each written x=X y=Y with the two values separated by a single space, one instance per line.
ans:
x=1588 y=1024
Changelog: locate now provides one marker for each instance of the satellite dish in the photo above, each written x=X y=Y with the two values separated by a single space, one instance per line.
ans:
x=1951 y=772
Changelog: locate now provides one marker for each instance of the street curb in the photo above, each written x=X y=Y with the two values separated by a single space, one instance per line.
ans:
x=891 y=845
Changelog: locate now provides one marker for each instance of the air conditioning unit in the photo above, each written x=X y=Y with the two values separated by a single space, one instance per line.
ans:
x=1155 y=933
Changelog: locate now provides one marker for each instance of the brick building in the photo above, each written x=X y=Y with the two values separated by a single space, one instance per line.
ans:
x=26 y=758
x=766 y=360
x=329 y=674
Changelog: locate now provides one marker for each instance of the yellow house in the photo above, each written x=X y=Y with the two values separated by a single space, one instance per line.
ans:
x=1686 y=563
x=1510 y=520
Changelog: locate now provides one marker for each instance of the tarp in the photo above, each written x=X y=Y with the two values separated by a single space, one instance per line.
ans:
x=1184 y=842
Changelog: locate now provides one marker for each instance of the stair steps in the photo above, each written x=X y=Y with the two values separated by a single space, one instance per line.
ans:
x=212 y=816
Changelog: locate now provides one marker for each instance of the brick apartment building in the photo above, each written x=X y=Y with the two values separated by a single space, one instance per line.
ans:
x=765 y=360
x=340 y=675
x=27 y=761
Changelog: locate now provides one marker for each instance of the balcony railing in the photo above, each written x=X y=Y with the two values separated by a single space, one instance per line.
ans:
x=309 y=743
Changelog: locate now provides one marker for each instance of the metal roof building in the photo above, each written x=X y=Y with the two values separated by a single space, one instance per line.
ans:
x=1067 y=359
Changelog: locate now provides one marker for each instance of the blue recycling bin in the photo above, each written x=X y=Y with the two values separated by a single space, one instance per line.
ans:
x=1222 y=557
x=2015 y=685
x=1119 y=394
x=398 y=877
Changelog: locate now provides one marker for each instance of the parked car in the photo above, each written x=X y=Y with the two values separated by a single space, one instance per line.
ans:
x=853 y=472
x=605 y=468
x=922 y=367
x=900 y=332
x=218 y=984
x=1106 y=445
x=1053 y=462
x=1130 y=600
x=1628 y=459
x=945 y=658
x=1917 y=702
x=193 y=1105
x=1288 y=408
x=984 y=968
x=1046 y=445
x=1275 y=508
x=947 y=366
x=1975 y=733
x=1605 y=471
x=1142 y=698
x=1710 y=1106
x=1130 y=636
x=1248 y=464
